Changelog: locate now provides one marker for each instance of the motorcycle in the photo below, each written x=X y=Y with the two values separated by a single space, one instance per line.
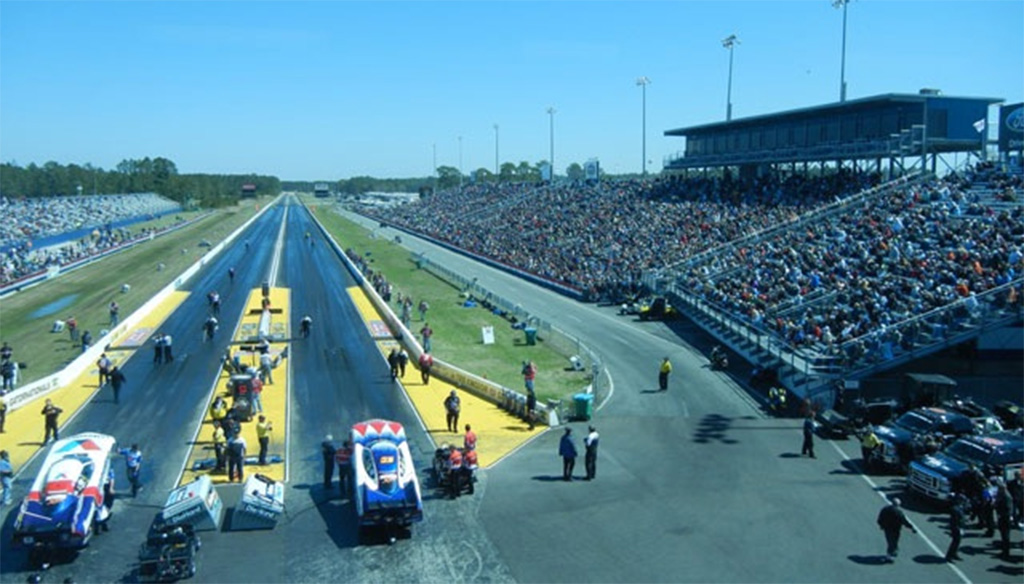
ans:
x=719 y=360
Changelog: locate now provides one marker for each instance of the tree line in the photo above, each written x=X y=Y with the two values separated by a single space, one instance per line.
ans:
x=147 y=175
x=160 y=175
x=447 y=177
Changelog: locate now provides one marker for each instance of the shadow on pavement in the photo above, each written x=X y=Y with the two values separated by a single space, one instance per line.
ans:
x=713 y=428
x=547 y=478
x=338 y=515
x=868 y=560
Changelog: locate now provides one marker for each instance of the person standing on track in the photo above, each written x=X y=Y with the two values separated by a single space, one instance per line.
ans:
x=590 y=459
x=891 y=521
x=343 y=457
x=328 y=451
x=808 y=447
x=567 y=450
x=50 y=414
x=6 y=476
x=403 y=360
x=663 y=372
x=158 y=349
x=452 y=407
x=167 y=345
x=263 y=430
x=236 y=457
x=103 y=368
x=426 y=363
x=117 y=380
x=219 y=442
x=133 y=464
x=209 y=328
x=957 y=507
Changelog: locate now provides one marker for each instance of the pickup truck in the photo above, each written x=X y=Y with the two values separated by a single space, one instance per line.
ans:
x=936 y=476
x=905 y=438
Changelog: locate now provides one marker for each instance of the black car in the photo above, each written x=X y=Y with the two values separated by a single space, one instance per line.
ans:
x=937 y=476
x=920 y=430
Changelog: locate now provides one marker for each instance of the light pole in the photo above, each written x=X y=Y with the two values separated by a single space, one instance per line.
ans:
x=729 y=42
x=842 y=65
x=643 y=82
x=460 y=161
x=495 y=152
x=551 y=115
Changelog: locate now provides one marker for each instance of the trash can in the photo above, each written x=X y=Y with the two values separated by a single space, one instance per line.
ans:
x=531 y=335
x=584 y=405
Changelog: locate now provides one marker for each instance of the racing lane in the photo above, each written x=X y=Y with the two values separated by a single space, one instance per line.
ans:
x=339 y=377
x=160 y=407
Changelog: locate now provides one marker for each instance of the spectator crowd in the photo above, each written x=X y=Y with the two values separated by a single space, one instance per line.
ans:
x=798 y=255
x=27 y=220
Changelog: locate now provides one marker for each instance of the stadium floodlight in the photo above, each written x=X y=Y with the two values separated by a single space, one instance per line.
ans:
x=643 y=82
x=460 y=161
x=551 y=115
x=729 y=42
x=495 y=151
x=842 y=65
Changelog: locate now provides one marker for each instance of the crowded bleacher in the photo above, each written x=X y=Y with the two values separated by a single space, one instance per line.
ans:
x=805 y=258
x=599 y=238
x=29 y=220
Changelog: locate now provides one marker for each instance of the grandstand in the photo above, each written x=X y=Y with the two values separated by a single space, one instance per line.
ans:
x=42 y=232
x=869 y=282
x=816 y=243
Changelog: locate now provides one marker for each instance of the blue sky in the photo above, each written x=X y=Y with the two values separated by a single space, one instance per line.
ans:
x=329 y=90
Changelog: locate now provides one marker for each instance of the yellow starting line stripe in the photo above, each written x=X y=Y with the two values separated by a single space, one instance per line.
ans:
x=274 y=397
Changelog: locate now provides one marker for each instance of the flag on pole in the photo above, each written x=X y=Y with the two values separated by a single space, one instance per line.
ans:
x=980 y=125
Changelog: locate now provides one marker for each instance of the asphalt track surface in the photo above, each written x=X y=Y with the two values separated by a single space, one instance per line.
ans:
x=695 y=484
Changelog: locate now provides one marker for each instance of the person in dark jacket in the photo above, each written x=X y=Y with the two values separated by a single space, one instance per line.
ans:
x=957 y=508
x=116 y=379
x=1004 y=513
x=327 y=450
x=393 y=363
x=891 y=520
x=50 y=414
x=808 y=447
x=567 y=450
x=452 y=407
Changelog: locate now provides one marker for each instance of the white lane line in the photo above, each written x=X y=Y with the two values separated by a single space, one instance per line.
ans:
x=611 y=389
x=885 y=497
x=288 y=412
x=275 y=262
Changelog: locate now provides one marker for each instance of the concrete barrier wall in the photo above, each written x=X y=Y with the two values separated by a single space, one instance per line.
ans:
x=25 y=394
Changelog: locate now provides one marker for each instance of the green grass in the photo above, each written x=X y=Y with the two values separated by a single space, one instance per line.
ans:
x=457 y=330
x=94 y=286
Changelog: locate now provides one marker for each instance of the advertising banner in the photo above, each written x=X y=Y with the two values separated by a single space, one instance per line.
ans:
x=1011 y=128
